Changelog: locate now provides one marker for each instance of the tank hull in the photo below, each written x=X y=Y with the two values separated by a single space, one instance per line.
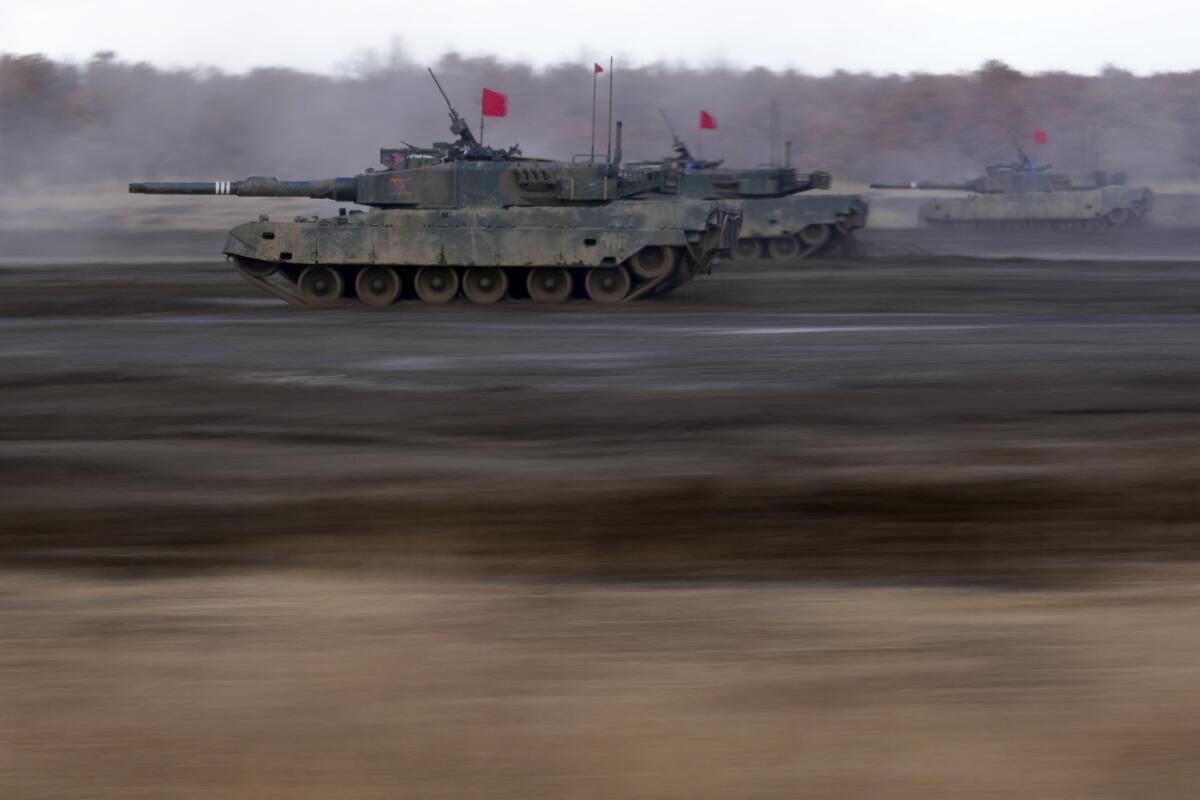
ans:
x=508 y=244
x=798 y=226
x=1108 y=206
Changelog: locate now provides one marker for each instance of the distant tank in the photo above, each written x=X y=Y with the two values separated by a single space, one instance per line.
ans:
x=777 y=223
x=487 y=223
x=1027 y=194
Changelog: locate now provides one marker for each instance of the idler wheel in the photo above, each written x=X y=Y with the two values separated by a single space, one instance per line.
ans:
x=320 y=286
x=607 y=284
x=259 y=269
x=653 y=262
x=815 y=235
x=377 y=286
x=781 y=248
x=1117 y=217
x=748 y=248
x=436 y=284
x=548 y=284
x=485 y=285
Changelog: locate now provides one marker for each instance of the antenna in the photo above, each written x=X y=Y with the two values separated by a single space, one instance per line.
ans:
x=670 y=130
x=774 y=128
x=611 y=78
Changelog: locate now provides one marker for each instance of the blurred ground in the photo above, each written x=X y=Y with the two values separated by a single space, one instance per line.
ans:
x=914 y=525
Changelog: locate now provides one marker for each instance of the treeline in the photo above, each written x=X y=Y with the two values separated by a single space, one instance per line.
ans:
x=111 y=119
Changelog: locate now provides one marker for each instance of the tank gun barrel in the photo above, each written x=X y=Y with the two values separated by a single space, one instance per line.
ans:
x=340 y=189
x=957 y=187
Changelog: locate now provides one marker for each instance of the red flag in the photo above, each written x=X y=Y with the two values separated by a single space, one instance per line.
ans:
x=598 y=69
x=707 y=121
x=1040 y=137
x=495 y=104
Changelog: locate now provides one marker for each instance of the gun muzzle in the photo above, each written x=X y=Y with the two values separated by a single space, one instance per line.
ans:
x=199 y=187
x=927 y=185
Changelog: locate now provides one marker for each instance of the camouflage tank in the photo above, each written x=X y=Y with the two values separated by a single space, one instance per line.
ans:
x=1027 y=194
x=489 y=223
x=777 y=223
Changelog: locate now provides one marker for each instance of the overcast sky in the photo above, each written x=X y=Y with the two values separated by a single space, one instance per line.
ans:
x=810 y=35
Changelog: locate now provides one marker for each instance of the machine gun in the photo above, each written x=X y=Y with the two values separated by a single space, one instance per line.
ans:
x=458 y=125
x=467 y=145
x=683 y=156
x=1023 y=164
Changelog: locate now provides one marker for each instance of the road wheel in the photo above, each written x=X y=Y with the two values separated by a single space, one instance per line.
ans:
x=815 y=235
x=257 y=268
x=436 y=284
x=782 y=248
x=653 y=262
x=1117 y=217
x=320 y=286
x=748 y=248
x=607 y=284
x=377 y=286
x=485 y=285
x=548 y=284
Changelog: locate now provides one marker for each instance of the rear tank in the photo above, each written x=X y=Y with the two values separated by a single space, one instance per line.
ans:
x=780 y=220
x=1028 y=195
x=460 y=219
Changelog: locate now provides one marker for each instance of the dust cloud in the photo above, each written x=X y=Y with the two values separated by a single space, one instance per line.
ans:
x=109 y=119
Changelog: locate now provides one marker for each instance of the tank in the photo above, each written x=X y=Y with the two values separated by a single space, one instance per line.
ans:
x=779 y=221
x=460 y=219
x=1027 y=194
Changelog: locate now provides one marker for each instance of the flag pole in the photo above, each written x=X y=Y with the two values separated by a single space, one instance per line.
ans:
x=481 y=119
x=608 y=157
x=592 y=157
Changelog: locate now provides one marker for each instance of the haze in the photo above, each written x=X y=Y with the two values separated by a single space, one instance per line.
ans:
x=880 y=36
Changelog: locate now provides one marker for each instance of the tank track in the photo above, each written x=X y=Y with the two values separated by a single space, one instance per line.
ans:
x=345 y=285
x=831 y=240
x=1099 y=223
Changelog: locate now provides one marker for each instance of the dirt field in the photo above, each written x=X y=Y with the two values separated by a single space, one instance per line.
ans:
x=915 y=525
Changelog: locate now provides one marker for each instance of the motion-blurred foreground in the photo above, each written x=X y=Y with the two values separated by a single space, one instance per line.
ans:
x=913 y=525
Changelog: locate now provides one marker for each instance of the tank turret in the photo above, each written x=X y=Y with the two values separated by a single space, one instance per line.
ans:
x=415 y=181
x=776 y=222
x=487 y=221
